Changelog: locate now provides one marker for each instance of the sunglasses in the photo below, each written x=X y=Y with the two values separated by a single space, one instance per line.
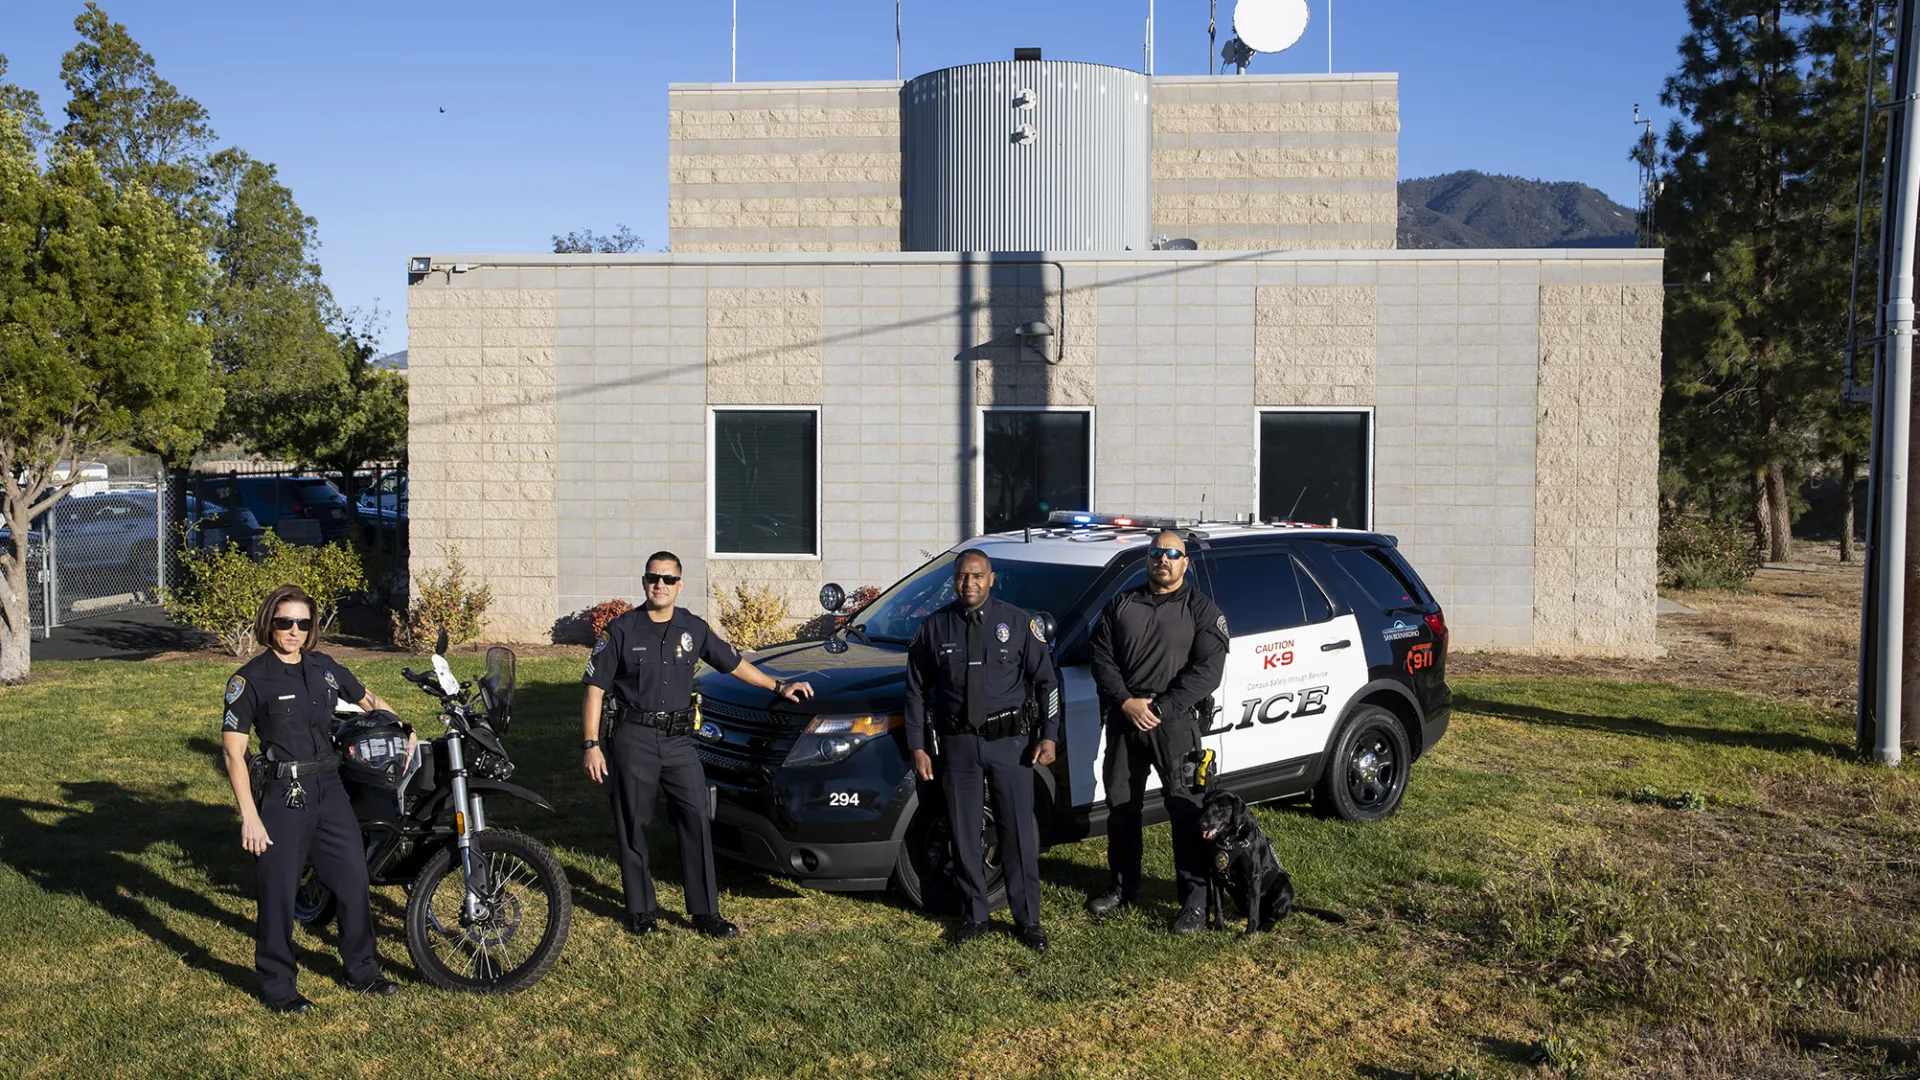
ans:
x=282 y=623
x=1169 y=554
x=661 y=579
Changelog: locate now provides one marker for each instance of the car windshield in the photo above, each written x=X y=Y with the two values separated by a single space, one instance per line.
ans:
x=896 y=614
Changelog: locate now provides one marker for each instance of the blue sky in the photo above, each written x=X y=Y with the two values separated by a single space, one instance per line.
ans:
x=556 y=111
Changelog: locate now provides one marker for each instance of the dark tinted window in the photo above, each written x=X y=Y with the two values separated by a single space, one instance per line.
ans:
x=1377 y=577
x=1033 y=463
x=896 y=613
x=1257 y=593
x=1312 y=600
x=765 y=471
x=1314 y=467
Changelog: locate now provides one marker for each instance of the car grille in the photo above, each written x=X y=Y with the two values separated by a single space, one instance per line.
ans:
x=751 y=740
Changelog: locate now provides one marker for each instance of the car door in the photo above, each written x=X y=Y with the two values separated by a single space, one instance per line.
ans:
x=1080 y=698
x=1295 y=659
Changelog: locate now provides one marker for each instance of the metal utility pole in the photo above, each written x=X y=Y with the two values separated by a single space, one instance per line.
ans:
x=896 y=40
x=1884 y=676
x=1329 y=37
x=733 y=43
x=1213 y=11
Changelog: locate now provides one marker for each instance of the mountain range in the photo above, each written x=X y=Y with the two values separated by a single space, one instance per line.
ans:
x=1478 y=210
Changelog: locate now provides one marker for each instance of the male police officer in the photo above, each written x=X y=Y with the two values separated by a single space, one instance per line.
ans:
x=1158 y=652
x=970 y=670
x=646 y=658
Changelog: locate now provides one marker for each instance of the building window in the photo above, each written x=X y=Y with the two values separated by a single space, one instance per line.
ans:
x=1032 y=463
x=766 y=481
x=1317 y=467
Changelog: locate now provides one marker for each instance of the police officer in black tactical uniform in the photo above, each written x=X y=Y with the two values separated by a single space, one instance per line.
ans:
x=646 y=658
x=1158 y=653
x=971 y=670
x=287 y=694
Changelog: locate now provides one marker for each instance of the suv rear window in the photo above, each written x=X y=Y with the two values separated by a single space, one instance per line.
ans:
x=1379 y=577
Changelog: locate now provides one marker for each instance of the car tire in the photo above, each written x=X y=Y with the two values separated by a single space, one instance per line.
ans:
x=1365 y=778
x=924 y=871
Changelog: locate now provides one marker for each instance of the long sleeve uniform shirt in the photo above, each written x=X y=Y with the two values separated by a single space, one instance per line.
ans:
x=1170 y=647
x=972 y=664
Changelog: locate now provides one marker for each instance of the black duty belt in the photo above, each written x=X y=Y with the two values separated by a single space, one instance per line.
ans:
x=281 y=770
x=677 y=722
x=998 y=725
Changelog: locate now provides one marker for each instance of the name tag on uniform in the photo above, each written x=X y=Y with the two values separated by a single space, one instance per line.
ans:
x=286 y=697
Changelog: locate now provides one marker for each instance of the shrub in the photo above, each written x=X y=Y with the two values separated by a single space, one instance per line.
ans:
x=442 y=599
x=224 y=587
x=599 y=615
x=1707 y=555
x=753 y=619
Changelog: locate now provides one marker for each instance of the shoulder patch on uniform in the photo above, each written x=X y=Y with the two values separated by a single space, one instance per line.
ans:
x=235 y=687
x=230 y=723
x=1002 y=633
x=1221 y=622
x=601 y=644
x=1038 y=634
x=331 y=681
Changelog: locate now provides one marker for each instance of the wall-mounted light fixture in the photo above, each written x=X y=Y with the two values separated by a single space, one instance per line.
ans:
x=1035 y=335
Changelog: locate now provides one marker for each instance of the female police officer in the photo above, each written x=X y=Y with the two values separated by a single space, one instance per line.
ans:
x=288 y=694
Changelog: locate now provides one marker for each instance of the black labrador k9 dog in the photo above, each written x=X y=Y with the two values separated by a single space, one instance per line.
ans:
x=1243 y=865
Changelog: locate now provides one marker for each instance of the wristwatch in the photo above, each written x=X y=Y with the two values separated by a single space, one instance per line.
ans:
x=589 y=744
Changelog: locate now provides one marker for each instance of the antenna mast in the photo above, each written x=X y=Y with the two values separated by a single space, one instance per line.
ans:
x=733 y=43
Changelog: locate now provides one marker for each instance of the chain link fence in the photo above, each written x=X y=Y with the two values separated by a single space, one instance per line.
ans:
x=98 y=551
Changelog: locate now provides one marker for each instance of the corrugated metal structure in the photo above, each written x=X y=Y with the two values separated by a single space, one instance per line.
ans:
x=1027 y=155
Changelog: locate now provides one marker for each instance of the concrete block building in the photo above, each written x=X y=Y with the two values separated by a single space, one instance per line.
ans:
x=896 y=315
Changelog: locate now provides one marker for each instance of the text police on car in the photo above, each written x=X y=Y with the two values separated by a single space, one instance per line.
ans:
x=971 y=670
x=646 y=658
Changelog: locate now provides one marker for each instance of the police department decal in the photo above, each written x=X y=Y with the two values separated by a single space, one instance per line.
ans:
x=1399 y=629
x=1038 y=635
x=1002 y=633
x=235 y=687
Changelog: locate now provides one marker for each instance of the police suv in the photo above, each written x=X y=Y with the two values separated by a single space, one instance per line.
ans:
x=1335 y=683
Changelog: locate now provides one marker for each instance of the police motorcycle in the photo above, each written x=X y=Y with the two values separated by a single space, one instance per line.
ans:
x=487 y=909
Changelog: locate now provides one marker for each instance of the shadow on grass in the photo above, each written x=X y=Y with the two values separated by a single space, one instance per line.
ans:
x=91 y=845
x=1892 y=1050
x=1643 y=727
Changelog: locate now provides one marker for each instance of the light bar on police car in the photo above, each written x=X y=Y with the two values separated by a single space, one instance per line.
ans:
x=1124 y=521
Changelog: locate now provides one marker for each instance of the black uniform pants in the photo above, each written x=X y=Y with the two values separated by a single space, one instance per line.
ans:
x=1130 y=754
x=969 y=768
x=325 y=834
x=645 y=763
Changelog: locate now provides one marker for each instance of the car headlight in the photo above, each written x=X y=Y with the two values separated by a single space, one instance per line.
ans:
x=834 y=738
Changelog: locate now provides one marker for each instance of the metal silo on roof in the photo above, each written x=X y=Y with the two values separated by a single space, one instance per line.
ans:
x=1028 y=155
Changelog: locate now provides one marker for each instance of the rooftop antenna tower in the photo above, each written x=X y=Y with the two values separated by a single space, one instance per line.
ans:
x=896 y=40
x=1148 y=47
x=733 y=43
x=1264 y=26
x=1649 y=161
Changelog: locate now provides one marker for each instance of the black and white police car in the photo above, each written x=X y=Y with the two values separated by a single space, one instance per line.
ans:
x=1335 y=683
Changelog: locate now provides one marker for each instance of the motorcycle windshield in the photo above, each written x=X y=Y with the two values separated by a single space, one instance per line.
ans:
x=496 y=688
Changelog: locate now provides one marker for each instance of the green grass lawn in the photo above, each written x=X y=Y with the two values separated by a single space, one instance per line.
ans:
x=1531 y=894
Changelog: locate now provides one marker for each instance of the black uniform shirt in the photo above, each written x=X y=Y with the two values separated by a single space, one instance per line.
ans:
x=291 y=704
x=1170 y=647
x=648 y=666
x=944 y=680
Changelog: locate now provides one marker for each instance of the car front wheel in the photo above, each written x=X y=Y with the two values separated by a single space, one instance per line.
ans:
x=1366 y=773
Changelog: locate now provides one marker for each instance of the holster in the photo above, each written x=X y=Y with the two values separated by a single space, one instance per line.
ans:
x=259 y=769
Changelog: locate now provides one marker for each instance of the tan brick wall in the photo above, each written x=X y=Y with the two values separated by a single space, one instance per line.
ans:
x=1596 y=519
x=1315 y=344
x=481 y=447
x=763 y=346
x=1009 y=372
x=783 y=168
x=1252 y=164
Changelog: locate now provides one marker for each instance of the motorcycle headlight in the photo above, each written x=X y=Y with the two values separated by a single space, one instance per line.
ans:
x=834 y=738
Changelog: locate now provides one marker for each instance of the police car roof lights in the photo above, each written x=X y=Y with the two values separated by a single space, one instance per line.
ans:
x=1121 y=521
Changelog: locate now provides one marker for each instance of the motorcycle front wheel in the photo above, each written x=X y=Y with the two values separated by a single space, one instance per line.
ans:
x=525 y=907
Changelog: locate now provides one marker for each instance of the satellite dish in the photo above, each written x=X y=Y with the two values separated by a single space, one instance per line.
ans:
x=1270 y=26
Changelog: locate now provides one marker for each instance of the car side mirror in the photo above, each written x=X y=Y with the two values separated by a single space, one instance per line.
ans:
x=1049 y=630
x=832 y=596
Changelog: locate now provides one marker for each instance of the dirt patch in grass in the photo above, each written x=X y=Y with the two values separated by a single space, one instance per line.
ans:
x=1792 y=635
